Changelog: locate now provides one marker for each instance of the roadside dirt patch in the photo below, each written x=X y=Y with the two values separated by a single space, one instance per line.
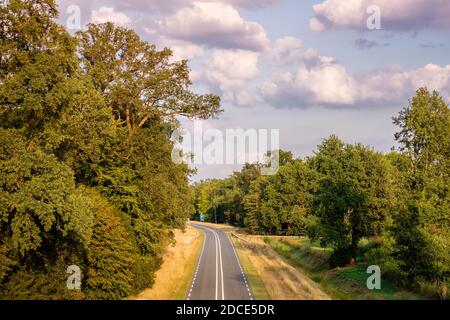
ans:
x=282 y=281
x=180 y=260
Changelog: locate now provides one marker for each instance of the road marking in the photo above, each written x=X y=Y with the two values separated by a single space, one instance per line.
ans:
x=198 y=267
x=221 y=267
x=217 y=267
x=219 y=261
x=218 y=256
x=219 y=264
x=242 y=271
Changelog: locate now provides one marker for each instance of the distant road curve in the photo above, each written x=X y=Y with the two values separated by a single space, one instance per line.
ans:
x=219 y=274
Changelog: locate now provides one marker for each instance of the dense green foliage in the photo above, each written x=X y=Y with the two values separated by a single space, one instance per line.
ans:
x=422 y=228
x=86 y=176
x=347 y=194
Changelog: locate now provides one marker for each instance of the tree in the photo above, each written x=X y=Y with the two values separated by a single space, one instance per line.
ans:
x=351 y=197
x=424 y=129
x=138 y=81
x=111 y=254
x=214 y=199
x=283 y=201
x=37 y=60
x=423 y=227
x=253 y=202
x=241 y=187
x=39 y=199
x=86 y=164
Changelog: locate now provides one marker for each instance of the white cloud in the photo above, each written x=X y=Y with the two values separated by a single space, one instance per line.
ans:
x=231 y=72
x=395 y=15
x=109 y=14
x=249 y=4
x=286 y=50
x=323 y=81
x=316 y=25
x=214 y=24
x=234 y=64
x=395 y=84
x=182 y=50
x=169 y=6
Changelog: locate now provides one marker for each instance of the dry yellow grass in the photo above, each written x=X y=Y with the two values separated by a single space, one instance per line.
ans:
x=223 y=227
x=175 y=274
x=281 y=280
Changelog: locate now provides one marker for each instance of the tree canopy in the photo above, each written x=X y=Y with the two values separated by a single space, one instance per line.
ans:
x=346 y=194
x=86 y=176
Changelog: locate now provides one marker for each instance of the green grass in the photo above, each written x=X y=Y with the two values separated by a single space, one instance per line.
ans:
x=340 y=283
x=301 y=252
x=256 y=284
x=354 y=280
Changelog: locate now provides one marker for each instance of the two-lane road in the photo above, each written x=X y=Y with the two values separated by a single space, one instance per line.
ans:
x=219 y=274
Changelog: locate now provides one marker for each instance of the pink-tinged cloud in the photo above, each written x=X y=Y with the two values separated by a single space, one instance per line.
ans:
x=395 y=15
x=109 y=14
x=323 y=81
x=215 y=25
x=170 y=6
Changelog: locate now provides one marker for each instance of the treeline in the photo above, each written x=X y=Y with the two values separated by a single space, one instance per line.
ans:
x=347 y=193
x=86 y=176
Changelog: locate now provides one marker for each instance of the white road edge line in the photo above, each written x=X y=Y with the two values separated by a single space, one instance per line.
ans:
x=198 y=266
x=242 y=270
x=217 y=262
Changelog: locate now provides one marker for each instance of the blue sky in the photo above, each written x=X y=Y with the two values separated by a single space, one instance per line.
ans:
x=291 y=17
x=309 y=68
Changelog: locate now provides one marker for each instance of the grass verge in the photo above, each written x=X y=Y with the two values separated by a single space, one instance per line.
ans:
x=191 y=265
x=347 y=283
x=256 y=284
x=179 y=264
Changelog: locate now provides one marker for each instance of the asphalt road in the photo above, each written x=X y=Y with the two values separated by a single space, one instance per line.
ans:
x=219 y=274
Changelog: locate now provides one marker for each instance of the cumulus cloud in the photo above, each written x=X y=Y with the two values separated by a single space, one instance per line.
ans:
x=214 y=25
x=395 y=15
x=181 y=50
x=210 y=23
x=250 y=4
x=230 y=72
x=109 y=14
x=396 y=84
x=286 y=50
x=319 y=81
x=164 y=6
x=323 y=81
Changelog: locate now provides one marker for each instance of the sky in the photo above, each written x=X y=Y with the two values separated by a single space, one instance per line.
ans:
x=309 y=68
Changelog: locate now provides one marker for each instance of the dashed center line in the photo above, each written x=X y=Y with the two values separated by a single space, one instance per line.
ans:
x=218 y=266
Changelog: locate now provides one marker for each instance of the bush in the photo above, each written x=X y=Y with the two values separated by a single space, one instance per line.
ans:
x=111 y=254
x=41 y=276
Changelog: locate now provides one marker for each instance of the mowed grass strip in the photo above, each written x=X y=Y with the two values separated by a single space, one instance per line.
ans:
x=256 y=284
x=347 y=283
x=280 y=280
x=180 y=261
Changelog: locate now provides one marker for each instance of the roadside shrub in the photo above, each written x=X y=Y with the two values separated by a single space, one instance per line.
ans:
x=144 y=271
x=110 y=255
x=42 y=276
